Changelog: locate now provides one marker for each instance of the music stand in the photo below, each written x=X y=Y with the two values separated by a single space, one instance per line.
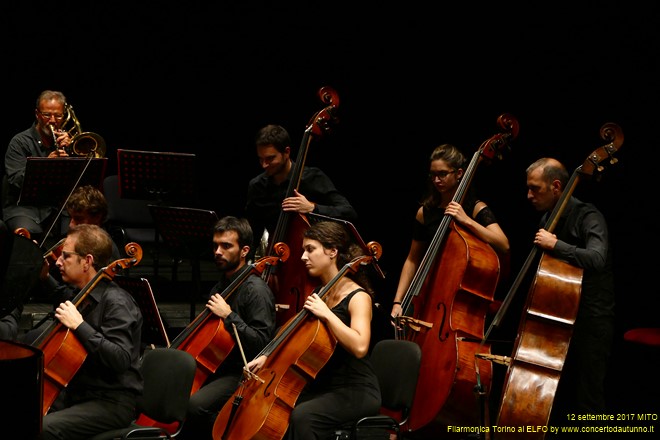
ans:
x=49 y=181
x=315 y=218
x=154 y=175
x=188 y=232
x=153 y=329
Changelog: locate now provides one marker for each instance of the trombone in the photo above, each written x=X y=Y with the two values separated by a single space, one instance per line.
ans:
x=83 y=143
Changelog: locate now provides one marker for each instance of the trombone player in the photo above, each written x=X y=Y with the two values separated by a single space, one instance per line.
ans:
x=44 y=138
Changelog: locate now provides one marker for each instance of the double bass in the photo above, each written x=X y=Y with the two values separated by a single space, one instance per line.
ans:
x=445 y=307
x=290 y=282
x=63 y=353
x=546 y=326
x=261 y=406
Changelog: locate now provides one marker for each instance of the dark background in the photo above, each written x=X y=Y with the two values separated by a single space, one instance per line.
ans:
x=201 y=78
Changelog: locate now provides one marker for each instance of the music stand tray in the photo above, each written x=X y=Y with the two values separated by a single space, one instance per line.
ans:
x=49 y=181
x=154 y=175
x=188 y=232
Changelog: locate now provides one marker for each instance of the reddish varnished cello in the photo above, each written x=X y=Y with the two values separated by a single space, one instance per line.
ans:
x=206 y=337
x=261 y=406
x=64 y=354
x=546 y=326
x=445 y=308
x=290 y=282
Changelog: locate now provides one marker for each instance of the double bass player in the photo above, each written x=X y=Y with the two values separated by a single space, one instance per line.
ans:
x=446 y=168
x=581 y=239
x=266 y=192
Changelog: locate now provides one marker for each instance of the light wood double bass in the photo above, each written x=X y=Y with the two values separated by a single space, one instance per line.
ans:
x=290 y=282
x=546 y=326
x=64 y=354
x=261 y=406
x=445 y=308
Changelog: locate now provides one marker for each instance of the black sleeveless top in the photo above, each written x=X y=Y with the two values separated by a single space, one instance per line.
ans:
x=343 y=369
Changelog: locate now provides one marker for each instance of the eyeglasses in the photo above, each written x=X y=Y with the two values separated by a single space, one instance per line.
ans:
x=442 y=175
x=47 y=116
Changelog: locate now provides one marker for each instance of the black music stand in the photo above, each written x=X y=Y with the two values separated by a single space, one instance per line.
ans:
x=49 y=181
x=315 y=218
x=153 y=175
x=188 y=232
x=161 y=177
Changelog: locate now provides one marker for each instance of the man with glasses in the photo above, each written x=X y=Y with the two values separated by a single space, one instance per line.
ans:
x=43 y=139
x=102 y=394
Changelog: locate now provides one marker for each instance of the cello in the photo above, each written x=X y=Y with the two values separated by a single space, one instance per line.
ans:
x=261 y=406
x=290 y=282
x=445 y=306
x=206 y=337
x=546 y=326
x=63 y=353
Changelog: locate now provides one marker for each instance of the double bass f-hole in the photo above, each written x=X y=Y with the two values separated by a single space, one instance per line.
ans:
x=442 y=309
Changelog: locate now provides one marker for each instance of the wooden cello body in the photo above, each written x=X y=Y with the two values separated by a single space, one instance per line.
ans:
x=445 y=309
x=290 y=282
x=549 y=314
x=262 y=405
x=63 y=353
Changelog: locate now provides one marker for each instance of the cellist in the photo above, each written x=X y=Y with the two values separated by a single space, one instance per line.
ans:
x=582 y=240
x=346 y=387
x=446 y=168
x=251 y=308
x=102 y=394
x=266 y=192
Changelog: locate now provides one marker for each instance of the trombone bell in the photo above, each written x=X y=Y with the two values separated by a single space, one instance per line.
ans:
x=87 y=144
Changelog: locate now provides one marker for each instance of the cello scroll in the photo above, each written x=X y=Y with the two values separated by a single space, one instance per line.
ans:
x=134 y=252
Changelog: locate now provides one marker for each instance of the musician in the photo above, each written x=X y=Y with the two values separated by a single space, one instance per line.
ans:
x=43 y=139
x=266 y=192
x=86 y=205
x=581 y=239
x=346 y=388
x=446 y=168
x=101 y=396
x=251 y=308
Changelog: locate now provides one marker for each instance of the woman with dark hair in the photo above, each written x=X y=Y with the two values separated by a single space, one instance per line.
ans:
x=446 y=169
x=346 y=311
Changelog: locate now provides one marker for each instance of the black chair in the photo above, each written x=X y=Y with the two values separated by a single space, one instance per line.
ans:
x=168 y=377
x=397 y=364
